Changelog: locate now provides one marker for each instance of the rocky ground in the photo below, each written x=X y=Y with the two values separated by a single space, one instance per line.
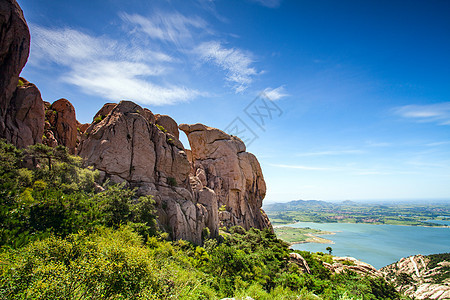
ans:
x=421 y=277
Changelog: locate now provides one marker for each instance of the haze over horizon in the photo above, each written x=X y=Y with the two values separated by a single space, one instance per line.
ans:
x=360 y=91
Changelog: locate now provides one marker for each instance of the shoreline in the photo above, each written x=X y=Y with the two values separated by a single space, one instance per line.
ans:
x=282 y=225
x=314 y=239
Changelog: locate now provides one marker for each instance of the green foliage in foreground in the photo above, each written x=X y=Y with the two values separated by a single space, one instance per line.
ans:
x=58 y=197
x=61 y=240
x=117 y=264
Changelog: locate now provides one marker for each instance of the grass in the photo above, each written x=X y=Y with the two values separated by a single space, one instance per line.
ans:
x=293 y=235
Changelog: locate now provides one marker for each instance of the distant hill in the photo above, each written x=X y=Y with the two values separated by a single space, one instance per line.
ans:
x=298 y=204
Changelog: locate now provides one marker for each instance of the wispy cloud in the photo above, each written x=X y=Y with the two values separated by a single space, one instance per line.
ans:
x=377 y=144
x=275 y=94
x=435 y=144
x=438 y=113
x=301 y=167
x=102 y=66
x=268 y=3
x=331 y=152
x=235 y=62
x=173 y=27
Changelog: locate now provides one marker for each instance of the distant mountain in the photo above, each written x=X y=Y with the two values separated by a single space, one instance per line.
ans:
x=298 y=204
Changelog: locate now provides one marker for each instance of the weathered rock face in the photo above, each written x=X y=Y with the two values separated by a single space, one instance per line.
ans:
x=14 y=50
x=420 y=281
x=169 y=124
x=24 y=120
x=126 y=147
x=61 y=125
x=104 y=111
x=341 y=264
x=300 y=261
x=220 y=163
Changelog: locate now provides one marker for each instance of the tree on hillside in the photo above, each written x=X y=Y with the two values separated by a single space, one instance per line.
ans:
x=403 y=279
x=329 y=249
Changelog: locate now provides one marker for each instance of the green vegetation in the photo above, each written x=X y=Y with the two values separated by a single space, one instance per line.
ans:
x=172 y=181
x=59 y=239
x=161 y=128
x=352 y=212
x=20 y=83
x=442 y=263
x=294 y=235
x=99 y=118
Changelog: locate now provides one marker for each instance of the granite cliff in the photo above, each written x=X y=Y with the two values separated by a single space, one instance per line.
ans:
x=129 y=144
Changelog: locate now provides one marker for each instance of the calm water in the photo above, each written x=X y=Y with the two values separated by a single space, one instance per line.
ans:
x=378 y=245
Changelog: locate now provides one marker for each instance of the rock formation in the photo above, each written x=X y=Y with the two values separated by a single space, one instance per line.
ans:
x=221 y=163
x=341 y=264
x=24 y=120
x=169 y=124
x=14 y=50
x=129 y=144
x=21 y=112
x=127 y=147
x=299 y=261
x=418 y=278
x=61 y=124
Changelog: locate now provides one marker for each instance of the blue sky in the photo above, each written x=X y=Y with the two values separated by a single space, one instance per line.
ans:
x=337 y=99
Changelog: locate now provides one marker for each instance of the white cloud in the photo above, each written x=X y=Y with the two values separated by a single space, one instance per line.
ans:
x=435 y=144
x=331 y=152
x=101 y=66
x=268 y=3
x=275 y=94
x=300 y=167
x=237 y=63
x=173 y=27
x=438 y=113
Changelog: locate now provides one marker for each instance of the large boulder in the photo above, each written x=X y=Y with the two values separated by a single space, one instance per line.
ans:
x=168 y=124
x=127 y=148
x=14 y=51
x=24 y=121
x=222 y=164
x=61 y=125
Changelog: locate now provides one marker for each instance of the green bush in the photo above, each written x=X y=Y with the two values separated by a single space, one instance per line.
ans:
x=99 y=118
x=172 y=181
x=161 y=128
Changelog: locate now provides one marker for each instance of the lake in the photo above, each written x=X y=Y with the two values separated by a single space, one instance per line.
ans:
x=378 y=245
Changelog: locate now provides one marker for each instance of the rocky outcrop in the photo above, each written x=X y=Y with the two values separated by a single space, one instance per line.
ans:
x=24 y=121
x=63 y=122
x=168 y=124
x=126 y=147
x=14 y=50
x=299 y=261
x=341 y=264
x=129 y=144
x=104 y=111
x=220 y=162
x=421 y=277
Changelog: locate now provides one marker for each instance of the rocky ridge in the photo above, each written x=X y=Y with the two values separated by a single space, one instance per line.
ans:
x=342 y=264
x=128 y=144
x=418 y=278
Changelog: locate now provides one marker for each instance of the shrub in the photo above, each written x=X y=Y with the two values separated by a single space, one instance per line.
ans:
x=99 y=118
x=20 y=83
x=172 y=181
x=161 y=128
